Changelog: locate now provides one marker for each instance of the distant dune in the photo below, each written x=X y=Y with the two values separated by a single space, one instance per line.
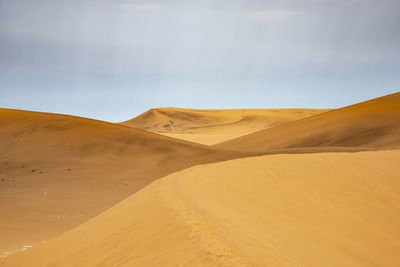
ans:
x=327 y=209
x=371 y=124
x=57 y=171
x=214 y=126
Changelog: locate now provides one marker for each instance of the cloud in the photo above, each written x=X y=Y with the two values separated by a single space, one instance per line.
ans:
x=271 y=15
x=21 y=34
x=132 y=5
x=139 y=7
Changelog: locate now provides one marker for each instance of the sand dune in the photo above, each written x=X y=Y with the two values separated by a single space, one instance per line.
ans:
x=58 y=171
x=327 y=209
x=371 y=124
x=214 y=126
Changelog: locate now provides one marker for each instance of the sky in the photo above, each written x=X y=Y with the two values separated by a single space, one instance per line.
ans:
x=114 y=59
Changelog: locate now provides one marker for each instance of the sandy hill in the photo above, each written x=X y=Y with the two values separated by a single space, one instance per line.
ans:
x=57 y=171
x=214 y=126
x=327 y=209
x=370 y=124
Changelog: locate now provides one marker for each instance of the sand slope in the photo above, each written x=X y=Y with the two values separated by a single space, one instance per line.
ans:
x=327 y=209
x=371 y=124
x=214 y=126
x=57 y=171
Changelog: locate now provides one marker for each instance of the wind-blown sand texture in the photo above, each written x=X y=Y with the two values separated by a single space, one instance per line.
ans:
x=371 y=124
x=214 y=126
x=324 y=209
x=57 y=171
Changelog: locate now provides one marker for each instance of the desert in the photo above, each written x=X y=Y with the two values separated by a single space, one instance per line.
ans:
x=79 y=191
x=186 y=133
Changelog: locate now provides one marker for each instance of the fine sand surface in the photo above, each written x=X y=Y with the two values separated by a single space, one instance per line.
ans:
x=371 y=124
x=214 y=126
x=324 y=209
x=60 y=172
x=57 y=171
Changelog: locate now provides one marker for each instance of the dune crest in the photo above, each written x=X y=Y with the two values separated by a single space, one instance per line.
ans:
x=247 y=212
x=58 y=171
x=371 y=124
x=214 y=126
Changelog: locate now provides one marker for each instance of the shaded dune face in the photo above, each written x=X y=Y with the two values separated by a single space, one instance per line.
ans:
x=58 y=171
x=214 y=126
x=372 y=124
x=246 y=212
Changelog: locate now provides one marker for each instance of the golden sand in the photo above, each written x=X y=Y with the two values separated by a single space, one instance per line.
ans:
x=60 y=170
x=62 y=177
x=326 y=209
x=371 y=124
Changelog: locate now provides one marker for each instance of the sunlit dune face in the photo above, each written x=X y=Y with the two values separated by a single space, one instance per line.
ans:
x=328 y=209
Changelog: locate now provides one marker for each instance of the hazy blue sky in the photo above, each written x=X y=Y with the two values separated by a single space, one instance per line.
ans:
x=114 y=59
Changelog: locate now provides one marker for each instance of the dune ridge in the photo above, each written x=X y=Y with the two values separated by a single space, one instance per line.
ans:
x=247 y=212
x=57 y=171
x=211 y=126
x=370 y=124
